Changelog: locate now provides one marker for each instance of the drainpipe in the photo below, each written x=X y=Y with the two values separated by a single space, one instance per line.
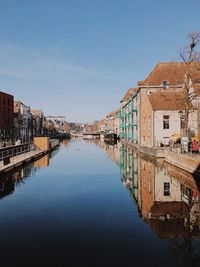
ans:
x=153 y=122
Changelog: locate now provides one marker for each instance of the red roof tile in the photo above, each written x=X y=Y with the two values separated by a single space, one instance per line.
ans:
x=166 y=100
x=173 y=72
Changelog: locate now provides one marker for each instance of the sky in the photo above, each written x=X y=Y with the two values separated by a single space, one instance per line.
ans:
x=77 y=58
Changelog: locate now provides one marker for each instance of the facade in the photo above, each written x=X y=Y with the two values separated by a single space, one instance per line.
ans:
x=117 y=122
x=110 y=123
x=6 y=116
x=129 y=116
x=90 y=128
x=102 y=126
x=22 y=121
x=37 y=123
x=55 y=124
x=155 y=113
x=161 y=118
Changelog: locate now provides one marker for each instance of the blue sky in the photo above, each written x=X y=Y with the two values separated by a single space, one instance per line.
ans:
x=78 y=57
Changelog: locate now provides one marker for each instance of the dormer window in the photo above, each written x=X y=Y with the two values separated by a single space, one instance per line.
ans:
x=165 y=84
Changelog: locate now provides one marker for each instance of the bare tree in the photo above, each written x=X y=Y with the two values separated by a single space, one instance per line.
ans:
x=191 y=66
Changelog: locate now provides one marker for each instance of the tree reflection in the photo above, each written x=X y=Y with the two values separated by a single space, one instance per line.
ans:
x=187 y=246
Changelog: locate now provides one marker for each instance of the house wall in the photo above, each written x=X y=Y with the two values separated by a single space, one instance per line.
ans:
x=25 y=128
x=102 y=125
x=161 y=135
x=23 y=120
x=6 y=115
x=146 y=120
x=110 y=124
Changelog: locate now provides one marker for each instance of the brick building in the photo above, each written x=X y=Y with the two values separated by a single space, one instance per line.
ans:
x=165 y=79
x=6 y=116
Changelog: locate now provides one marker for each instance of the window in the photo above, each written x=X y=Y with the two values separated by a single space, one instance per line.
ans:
x=165 y=84
x=166 y=189
x=165 y=122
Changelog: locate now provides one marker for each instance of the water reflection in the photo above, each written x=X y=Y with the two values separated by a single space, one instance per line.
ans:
x=10 y=180
x=77 y=212
x=168 y=199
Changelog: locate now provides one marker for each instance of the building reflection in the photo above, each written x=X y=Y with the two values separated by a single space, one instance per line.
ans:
x=168 y=200
x=129 y=170
x=112 y=149
x=9 y=181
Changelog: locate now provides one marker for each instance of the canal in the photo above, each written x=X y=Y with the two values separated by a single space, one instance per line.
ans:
x=94 y=204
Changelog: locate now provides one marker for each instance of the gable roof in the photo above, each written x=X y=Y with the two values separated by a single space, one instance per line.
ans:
x=173 y=72
x=166 y=100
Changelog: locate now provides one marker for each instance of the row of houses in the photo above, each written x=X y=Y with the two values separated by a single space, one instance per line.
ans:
x=110 y=124
x=19 y=122
x=157 y=110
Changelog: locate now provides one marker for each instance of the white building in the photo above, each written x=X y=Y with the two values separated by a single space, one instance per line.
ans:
x=166 y=120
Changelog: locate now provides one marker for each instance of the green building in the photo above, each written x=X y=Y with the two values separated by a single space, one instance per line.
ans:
x=129 y=169
x=129 y=116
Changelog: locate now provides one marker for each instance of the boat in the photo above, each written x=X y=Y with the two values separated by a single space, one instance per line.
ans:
x=110 y=137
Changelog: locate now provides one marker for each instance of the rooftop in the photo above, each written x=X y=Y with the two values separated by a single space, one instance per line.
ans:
x=172 y=72
x=166 y=100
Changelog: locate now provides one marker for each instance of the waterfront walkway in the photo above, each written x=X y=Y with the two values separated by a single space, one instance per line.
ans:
x=20 y=159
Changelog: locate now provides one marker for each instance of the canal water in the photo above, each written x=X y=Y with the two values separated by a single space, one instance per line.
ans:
x=95 y=204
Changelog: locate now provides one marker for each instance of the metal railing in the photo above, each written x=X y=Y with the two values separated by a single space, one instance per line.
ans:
x=8 y=153
x=14 y=142
x=190 y=148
